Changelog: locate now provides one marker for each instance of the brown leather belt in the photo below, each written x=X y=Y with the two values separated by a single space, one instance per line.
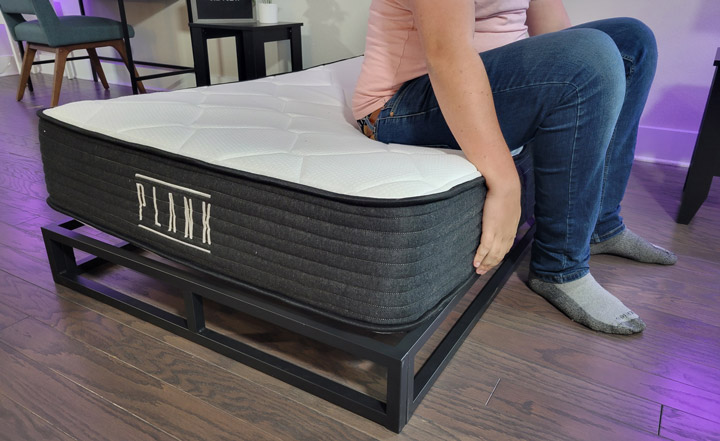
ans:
x=372 y=118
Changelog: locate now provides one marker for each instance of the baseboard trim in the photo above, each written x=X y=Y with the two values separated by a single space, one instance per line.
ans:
x=662 y=161
x=662 y=145
x=7 y=65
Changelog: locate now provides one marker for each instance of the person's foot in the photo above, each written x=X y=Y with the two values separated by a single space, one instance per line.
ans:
x=630 y=245
x=588 y=303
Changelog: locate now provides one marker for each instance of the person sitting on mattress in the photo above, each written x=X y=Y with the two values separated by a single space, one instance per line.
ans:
x=576 y=93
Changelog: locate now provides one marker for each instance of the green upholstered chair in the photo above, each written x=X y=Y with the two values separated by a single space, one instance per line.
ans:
x=60 y=35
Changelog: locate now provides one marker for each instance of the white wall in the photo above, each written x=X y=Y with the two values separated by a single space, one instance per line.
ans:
x=8 y=65
x=688 y=34
x=332 y=30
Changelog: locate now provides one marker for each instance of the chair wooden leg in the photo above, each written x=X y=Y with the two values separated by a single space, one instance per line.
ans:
x=21 y=49
x=61 y=54
x=120 y=48
x=25 y=74
x=95 y=61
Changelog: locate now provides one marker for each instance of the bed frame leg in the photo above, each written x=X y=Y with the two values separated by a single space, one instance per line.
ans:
x=194 y=312
x=399 y=393
x=61 y=257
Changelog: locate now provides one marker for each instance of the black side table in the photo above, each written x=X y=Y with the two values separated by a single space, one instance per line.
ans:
x=250 y=39
x=705 y=162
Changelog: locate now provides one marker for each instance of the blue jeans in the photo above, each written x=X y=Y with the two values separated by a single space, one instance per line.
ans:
x=575 y=97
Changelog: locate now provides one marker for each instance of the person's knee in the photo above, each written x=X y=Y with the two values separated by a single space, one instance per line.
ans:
x=640 y=41
x=638 y=32
x=597 y=62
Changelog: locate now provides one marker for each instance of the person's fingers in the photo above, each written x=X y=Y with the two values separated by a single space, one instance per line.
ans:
x=489 y=256
x=480 y=255
x=491 y=260
x=501 y=212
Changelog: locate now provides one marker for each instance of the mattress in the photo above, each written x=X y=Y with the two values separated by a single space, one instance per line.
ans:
x=270 y=183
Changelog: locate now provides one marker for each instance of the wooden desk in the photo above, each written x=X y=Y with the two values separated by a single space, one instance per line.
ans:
x=250 y=39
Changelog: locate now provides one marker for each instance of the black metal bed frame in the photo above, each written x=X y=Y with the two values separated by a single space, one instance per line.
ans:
x=404 y=388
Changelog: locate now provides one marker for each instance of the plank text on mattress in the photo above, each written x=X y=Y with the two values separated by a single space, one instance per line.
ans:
x=175 y=212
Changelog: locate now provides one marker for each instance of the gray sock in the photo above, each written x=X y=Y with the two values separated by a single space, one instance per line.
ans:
x=630 y=245
x=588 y=303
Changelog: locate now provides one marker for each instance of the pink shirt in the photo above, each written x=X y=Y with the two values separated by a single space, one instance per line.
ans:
x=393 y=54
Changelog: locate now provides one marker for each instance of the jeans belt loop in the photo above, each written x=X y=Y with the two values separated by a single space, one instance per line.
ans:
x=369 y=130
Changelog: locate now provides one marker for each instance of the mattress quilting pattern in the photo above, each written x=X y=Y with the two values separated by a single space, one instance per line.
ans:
x=295 y=127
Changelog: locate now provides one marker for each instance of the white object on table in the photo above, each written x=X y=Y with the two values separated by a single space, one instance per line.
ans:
x=267 y=12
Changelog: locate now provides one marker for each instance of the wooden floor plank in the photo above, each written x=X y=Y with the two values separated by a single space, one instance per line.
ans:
x=667 y=334
x=683 y=299
x=34 y=203
x=626 y=408
x=18 y=423
x=67 y=406
x=32 y=300
x=557 y=356
x=10 y=316
x=689 y=276
x=418 y=428
x=21 y=240
x=210 y=383
x=14 y=215
x=19 y=174
x=16 y=128
x=21 y=144
x=25 y=267
x=682 y=426
x=161 y=405
x=577 y=423
x=467 y=418
x=654 y=353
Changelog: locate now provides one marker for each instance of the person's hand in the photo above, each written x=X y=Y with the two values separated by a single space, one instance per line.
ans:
x=501 y=215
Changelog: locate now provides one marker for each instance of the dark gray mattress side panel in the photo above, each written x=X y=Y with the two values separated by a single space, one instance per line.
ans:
x=373 y=265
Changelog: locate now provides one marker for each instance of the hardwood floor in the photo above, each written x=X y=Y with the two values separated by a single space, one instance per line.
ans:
x=72 y=368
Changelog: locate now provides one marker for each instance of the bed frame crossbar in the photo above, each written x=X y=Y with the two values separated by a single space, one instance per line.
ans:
x=404 y=389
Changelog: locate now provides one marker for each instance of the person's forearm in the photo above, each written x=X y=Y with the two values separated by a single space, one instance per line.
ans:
x=463 y=91
x=465 y=97
x=461 y=86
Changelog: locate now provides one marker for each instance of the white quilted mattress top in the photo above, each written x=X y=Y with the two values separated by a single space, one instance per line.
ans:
x=296 y=127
